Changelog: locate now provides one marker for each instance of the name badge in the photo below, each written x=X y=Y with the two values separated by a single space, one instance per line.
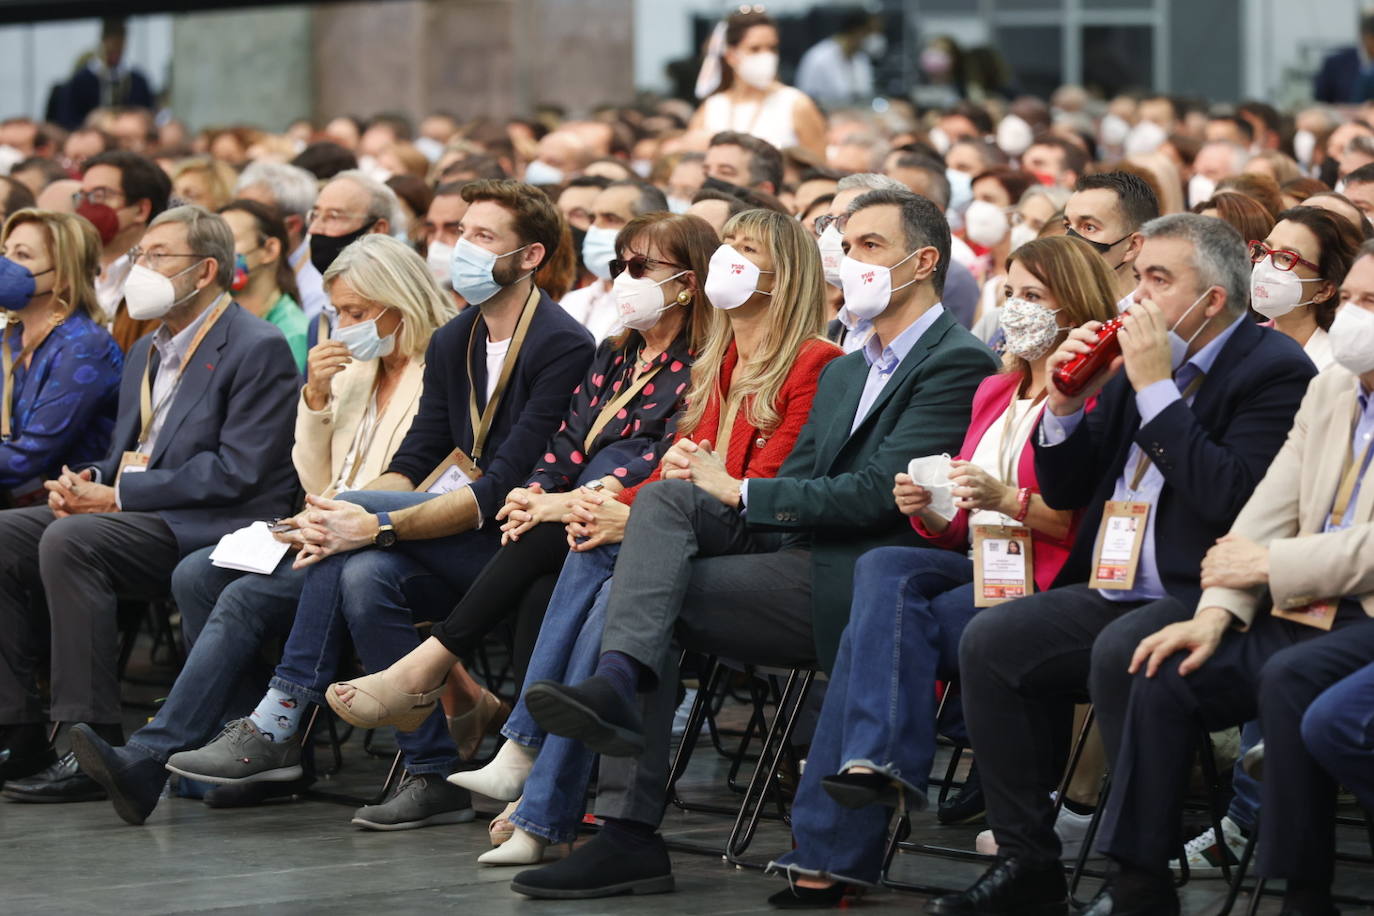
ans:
x=1320 y=614
x=1003 y=567
x=1119 y=537
x=131 y=463
x=453 y=473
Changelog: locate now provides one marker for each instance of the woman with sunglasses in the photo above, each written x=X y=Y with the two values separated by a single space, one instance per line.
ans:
x=751 y=387
x=1297 y=274
x=61 y=368
x=616 y=429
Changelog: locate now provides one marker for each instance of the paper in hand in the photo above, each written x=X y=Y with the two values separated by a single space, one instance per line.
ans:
x=932 y=473
x=251 y=549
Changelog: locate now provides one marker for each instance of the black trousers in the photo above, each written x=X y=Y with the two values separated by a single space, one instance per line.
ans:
x=1023 y=665
x=515 y=585
x=1276 y=668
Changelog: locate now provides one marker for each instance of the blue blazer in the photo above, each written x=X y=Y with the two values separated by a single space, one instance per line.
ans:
x=556 y=353
x=1211 y=455
x=223 y=456
x=1339 y=79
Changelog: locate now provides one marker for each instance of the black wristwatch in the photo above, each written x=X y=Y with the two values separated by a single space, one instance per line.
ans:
x=386 y=532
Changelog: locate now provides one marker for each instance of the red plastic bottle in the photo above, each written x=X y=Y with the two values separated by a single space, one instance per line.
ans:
x=1073 y=376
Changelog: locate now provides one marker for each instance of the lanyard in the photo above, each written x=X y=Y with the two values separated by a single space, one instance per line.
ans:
x=146 y=409
x=481 y=421
x=10 y=365
x=613 y=406
x=1350 y=476
x=1144 y=466
x=725 y=431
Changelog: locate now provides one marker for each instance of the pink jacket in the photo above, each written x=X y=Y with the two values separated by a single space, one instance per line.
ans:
x=989 y=403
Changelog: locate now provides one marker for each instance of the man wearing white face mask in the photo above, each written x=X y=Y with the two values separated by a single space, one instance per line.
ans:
x=1299 y=550
x=201 y=447
x=443 y=227
x=561 y=154
x=593 y=306
x=1187 y=420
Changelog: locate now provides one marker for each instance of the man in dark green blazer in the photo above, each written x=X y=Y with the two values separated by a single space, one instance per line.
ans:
x=761 y=570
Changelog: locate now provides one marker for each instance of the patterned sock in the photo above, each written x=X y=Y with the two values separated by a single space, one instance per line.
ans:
x=278 y=715
x=621 y=670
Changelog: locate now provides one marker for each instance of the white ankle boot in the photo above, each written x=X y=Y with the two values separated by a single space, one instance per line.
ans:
x=504 y=778
x=523 y=848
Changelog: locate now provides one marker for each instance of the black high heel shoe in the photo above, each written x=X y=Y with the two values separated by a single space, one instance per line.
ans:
x=859 y=790
x=809 y=898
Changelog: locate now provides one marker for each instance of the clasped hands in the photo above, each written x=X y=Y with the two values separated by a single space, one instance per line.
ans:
x=326 y=527
x=78 y=494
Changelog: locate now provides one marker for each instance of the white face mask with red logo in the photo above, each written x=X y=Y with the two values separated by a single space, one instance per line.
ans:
x=868 y=287
x=731 y=279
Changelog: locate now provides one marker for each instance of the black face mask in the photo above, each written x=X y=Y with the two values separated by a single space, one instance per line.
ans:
x=325 y=248
x=1102 y=247
x=577 y=236
x=1330 y=172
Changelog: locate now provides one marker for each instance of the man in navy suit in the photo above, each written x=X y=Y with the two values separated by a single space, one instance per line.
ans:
x=1186 y=431
x=498 y=380
x=203 y=438
x=1347 y=75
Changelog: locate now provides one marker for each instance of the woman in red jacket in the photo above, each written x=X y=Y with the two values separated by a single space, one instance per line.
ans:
x=875 y=739
x=754 y=379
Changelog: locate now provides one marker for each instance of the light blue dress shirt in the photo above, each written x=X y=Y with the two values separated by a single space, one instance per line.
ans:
x=1359 y=449
x=1151 y=402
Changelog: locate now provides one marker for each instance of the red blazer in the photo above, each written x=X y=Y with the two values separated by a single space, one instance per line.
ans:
x=755 y=452
x=989 y=402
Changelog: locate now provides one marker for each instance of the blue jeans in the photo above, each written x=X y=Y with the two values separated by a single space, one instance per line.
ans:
x=377 y=596
x=1245 y=789
x=1338 y=730
x=910 y=607
x=226 y=616
x=567 y=651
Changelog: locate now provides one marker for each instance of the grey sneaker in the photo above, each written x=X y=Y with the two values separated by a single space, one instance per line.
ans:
x=424 y=800
x=241 y=754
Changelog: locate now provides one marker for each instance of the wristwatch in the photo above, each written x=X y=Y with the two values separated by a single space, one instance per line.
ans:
x=386 y=532
x=595 y=486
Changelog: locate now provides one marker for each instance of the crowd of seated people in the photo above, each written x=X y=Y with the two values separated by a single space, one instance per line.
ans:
x=660 y=382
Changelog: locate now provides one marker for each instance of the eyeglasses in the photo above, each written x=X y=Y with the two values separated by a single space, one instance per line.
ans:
x=154 y=259
x=1283 y=258
x=823 y=223
x=95 y=196
x=637 y=264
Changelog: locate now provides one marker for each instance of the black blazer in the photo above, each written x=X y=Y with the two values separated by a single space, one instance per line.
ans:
x=1211 y=455
x=223 y=456
x=556 y=353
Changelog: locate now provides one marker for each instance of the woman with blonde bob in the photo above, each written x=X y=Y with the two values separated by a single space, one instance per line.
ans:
x=760 y=367
x=911 y=604
x=61 y=368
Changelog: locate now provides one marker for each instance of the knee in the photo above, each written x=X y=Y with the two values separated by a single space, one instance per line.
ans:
x=364 y=575
x=1111 y=658
x=64 y=540
x=1285 y=684
x=673 y=494
x=983 y=645
x=1324 y=727
x=882 y=562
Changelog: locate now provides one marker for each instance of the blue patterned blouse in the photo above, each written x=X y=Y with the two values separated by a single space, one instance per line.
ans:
x=64 y=402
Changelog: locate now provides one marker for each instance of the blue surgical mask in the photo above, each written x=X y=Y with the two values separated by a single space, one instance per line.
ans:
x=17 y=285
x=363 y=341
x=598 y=250
x=471 y=271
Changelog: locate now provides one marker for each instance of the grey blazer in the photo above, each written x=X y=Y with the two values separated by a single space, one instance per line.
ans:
x=223 y=456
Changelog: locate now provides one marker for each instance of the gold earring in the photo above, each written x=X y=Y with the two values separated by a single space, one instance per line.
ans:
x=684 y=297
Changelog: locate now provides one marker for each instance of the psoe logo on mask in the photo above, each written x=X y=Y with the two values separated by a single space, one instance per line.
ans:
x=736 y=268
x=868 y=277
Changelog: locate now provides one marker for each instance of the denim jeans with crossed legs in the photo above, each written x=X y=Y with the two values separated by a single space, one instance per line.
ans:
x=910 y=607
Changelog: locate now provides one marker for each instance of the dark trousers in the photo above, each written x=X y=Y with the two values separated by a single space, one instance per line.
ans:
x=82 y=565
x=689 y=570
x=1338 y=730
x=515 y=585
x=1023 y=665
x=1277 y=668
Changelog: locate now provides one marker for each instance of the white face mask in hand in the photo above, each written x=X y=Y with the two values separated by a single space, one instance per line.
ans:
x=1352 y=339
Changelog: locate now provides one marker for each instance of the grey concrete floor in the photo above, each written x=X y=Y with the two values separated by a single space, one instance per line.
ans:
x=303 y=857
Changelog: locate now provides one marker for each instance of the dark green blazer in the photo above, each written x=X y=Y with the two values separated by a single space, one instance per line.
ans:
x=833 y=494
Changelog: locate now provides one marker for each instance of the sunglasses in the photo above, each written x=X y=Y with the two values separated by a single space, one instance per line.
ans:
x=637 y=264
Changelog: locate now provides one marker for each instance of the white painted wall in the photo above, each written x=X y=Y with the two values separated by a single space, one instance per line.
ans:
x=34 y=57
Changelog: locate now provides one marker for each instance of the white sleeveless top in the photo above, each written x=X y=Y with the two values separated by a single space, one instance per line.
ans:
x=770 y=120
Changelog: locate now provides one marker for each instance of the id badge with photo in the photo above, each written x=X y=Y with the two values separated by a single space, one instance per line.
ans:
x=453 y=473
x=1119 y=538
x=1320 y=614
x=1003 y=567
x=131 y=463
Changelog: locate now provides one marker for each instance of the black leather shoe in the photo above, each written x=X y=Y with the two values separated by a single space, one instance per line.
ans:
x=1160 y=901
x=966 y=806
x=602 y=867
x=59 y=783
x=24 y=750
x=133 y=781
x=592 y=712
x=859 y=790
x=809 y=898
x=1011 y=887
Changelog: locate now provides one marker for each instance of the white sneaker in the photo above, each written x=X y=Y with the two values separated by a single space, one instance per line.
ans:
x=1069 y=827
x=684 y=709
x=1204 y=856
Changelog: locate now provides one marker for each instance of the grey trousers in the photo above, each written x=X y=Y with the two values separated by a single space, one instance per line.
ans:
x=691 y=573
x=82 y=565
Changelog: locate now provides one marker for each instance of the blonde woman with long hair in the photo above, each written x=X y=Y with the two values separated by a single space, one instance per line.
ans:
x=750 y=393
x=61 y=368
